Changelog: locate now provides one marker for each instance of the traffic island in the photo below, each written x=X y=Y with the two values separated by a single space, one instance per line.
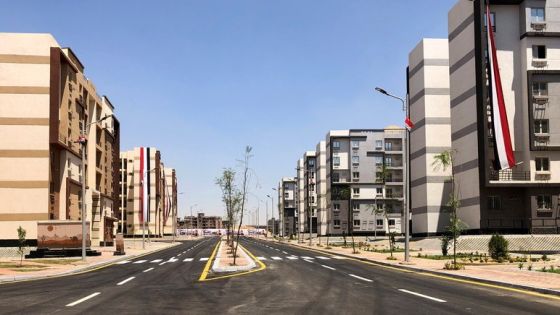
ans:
x=221 y=264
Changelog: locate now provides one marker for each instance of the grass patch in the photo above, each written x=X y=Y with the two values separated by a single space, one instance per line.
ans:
x=56 y=261
x=28 y=268
x=550 y=269
x=8 y=265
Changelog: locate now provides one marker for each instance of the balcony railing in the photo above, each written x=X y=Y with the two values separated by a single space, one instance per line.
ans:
x=538 y=25
x=510 y=175
x=539 y=62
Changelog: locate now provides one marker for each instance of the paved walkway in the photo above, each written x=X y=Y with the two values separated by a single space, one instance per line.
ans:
x=508 y=273
x=49 y=267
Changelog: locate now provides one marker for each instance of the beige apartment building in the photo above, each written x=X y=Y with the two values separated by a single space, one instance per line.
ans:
x=202 y=221
x=287 y=205
x=428 y=88
x=146 y=182
x=525 y=198
x=45 y=99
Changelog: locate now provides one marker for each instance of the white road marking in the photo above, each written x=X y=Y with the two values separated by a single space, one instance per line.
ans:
x=276 y=258
x=188 y=259
x=149 y=269
x=203 y=259
x=179 y=255
x=125 y=281
x=276 y=249
x=163 y=263
x=338 y=257
x=122 y=262
x=292 y=257
x=328 y=267
x=424 y=296
x=140 y=261
x=361 y=278
x=323 y=257
x=285 y=252
x=172 y=259
x=184 y=251
x=261 y=258
x=309 y=261
x=83 y=299
x=307 y=257
x=156 y=261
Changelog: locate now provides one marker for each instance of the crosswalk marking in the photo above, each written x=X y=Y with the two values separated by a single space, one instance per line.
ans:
x=203 y=259
x=338 y=257
x=323 y=257
x=172 y=259
x=276 y=258
x=122 y=262
x=155 y=261
x=140 y=261
x=307 y=257
x=261 y=258
x=188 y=259
x=292 y=257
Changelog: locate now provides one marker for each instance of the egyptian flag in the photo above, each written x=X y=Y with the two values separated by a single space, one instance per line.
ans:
x=144 y=212
x=504 y=152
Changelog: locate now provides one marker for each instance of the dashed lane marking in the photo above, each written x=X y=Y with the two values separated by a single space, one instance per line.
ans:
x=323 y=257
x=276 y=258
x=261 y=258
x=83 y=299
x=149 y=269
x=361 y=278
x=307 y=257
x=328 y=267
x=156 y=261
x=203 y=259
x=125 y=281
x=292 y=257
x=188 y=259
x=140 y=261
x=424 y=296
x=285 y=252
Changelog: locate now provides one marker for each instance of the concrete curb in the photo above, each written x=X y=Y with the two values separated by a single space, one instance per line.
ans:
x=438 y=273
x=99 y=265
x=216 y=265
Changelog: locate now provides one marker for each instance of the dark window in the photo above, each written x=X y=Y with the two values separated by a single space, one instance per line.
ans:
x=537 y=14
x=335 y=177
x=541 y=125
x=379 y=222
x=336 y=223
x=356 y=222
x=492 y=20
x=539 y=51
x=494 y=203
x=356 y=175
x=542 y=164
x=391 y=222
x=336 y=144
x=540 y=88
x=544 y=202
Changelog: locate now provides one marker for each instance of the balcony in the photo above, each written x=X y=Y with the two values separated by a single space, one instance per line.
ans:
x=509 y=175
x=539 y=63
x=538 y=25
x=540 y=99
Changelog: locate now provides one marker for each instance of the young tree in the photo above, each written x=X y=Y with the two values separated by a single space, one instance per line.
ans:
x=21 y=243
x=230 y=197
x=444 y=161
x=376 y=211
x=243 y=196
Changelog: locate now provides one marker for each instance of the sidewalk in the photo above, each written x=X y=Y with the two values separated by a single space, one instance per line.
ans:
x=53 y=267
x=507 y=274
x=224 y=259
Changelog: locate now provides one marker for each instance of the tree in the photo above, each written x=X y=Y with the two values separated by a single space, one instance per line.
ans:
x=392 y=241
x=230 y=197
x=243 y=198
x=498 y=247
x=21 y=243
x=444 y=244
x=376 y=211
x=445 y=161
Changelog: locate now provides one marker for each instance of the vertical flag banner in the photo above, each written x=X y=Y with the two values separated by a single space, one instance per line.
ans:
x=503 y=146
x=146 y=185
x=141 y=190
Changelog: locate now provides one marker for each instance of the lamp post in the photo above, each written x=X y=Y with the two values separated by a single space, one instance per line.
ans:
x=406 y=171
x=279 y=218
x=147 y=210
x=271 y=213
x=83 y=141
x=258 y=209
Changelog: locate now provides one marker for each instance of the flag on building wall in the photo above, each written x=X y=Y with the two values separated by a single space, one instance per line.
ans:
x=144 y=174
x=503 y=147
x=409 y=123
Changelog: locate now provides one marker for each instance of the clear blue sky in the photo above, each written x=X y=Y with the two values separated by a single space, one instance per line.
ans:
x=214 y=76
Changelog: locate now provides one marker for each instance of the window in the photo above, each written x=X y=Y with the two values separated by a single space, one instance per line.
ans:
x=539 y=51
x=355 y=160
x=355 y=144
x=542 y=164
x=336 y=160
x=311 y=187
x=312 y=199
x=379 y=222
x=388 y=146
x=286 y=195
x=391 y=222
x=311 y=163
x=378 y=144
x=540 y=88
x=356 y=222
x=544 y=202
x=336 y=206
x=356 y=191
x=356 y=207
x=312 y=175
x=494 y=203
x=335 y=177
x=336 y=223
x=388 y=161
x=389 y=192
x=336 y=145
x=537 y=14
x=541 y=125
x=492 y=20
x=379 y=191
x=378 y=160
x=356 y=175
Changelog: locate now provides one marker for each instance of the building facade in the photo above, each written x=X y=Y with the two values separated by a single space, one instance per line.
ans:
x=522 y=199
x=287 y=203
x=201 y=221
x=428 y=87
x=45 y=101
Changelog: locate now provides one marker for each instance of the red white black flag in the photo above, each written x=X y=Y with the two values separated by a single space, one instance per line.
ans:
x=144 y=213
x=504 y=151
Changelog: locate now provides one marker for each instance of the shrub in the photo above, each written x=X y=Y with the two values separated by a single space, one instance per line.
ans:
x=544 y=257
x=530 y=267
x=391 y=258
x=451 y=266
x=498 y=247
x=520 y=266
x=444 y=245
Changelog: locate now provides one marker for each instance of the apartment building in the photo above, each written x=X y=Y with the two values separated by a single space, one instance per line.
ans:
x=307 y=192
x=45 y=100
x=287 y=204
x=149 y=195
x=201 y=221
x=365 y=192
x=323 y=215
x=522 y=198
x=428 y=88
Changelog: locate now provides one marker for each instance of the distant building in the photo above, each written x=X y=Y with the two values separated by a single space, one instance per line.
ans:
x=200 y=221
x=287 y=190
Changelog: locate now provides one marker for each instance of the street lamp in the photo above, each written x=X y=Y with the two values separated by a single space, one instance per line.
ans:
x=272 y=211
x=406 y=168
x=83 y=141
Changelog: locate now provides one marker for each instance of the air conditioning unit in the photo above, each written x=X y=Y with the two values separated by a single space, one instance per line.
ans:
x=538 y=25
x=539 y=63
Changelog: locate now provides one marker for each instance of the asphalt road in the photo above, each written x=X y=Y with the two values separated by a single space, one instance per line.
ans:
x=295 y=281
